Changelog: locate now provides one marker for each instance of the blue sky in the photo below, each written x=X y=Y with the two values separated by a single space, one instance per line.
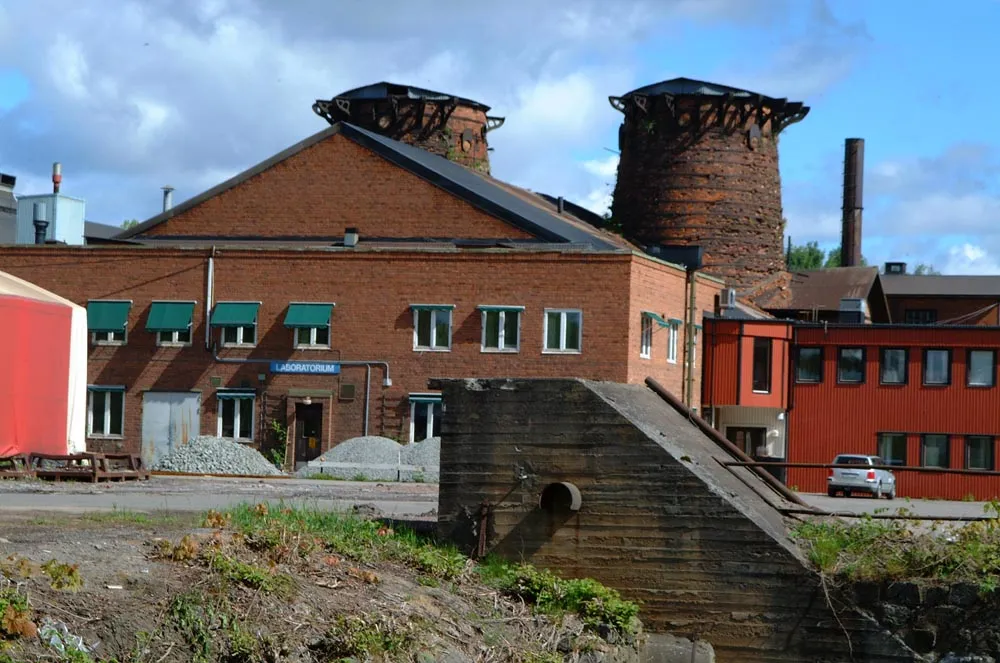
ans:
x=133 y=95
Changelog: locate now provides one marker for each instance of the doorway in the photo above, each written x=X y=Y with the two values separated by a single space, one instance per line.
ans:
x=749 y=440
x=308 y=432
x=169 y=420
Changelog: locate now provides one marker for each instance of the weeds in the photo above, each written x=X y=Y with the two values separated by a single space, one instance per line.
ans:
x=319 y=476
x=365 y=637
x=871 y=549
x=193 y=616
x=15 y=613
x=592 y=601
x=249 y=575
x=63 y=576
x=126 y=517
x=360 y=540
x=359 y=477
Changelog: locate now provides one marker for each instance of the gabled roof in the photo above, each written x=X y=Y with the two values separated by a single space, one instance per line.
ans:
x=921 y=285
x=520 y=208
x=822 y=290
x=94 y=230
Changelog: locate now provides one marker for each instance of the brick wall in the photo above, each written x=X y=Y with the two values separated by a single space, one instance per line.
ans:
x=372 y=320
x=327 y=187
x=660 y=520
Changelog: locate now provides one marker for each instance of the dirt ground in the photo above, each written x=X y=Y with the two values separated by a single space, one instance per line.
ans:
x=144 y=600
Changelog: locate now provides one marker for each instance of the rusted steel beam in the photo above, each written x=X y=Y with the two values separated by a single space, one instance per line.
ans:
x=726 y=445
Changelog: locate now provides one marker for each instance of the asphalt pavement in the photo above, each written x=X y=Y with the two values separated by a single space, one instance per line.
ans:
x=923 y=508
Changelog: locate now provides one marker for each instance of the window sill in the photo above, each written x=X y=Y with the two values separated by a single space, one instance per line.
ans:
x=240 y=346
x=500 y=351
x=980 y=386
x=173 y=345
x=311 y=347
x=808 y=382
x=762 y=393
x=432 y=349
x=108 y=344
x=936 y=385
x=647 y=357
x=98 y=436
x=672 y=361
x=562 y=352
x=979 y=469
x=891 y=384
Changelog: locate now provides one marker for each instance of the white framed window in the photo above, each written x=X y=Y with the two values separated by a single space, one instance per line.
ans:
x=245 y=336
x=646 y=337
x=236 y=415
x=501 y=328
x=173 y=339
x=672 y=335
x=563 y=331
x=105 y=411
x=425 y=416
x=312 y=338
x=432 y=328
x=109 y=338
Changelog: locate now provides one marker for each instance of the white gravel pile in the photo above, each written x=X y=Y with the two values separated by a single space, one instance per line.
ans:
x=216 y=455
x=378 y=458
x=426 y=456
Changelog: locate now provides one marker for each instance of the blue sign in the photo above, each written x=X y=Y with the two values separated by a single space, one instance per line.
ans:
x=306 y=367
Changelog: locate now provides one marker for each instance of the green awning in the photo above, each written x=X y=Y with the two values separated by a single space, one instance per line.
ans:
x=235 y=393
x=104 y=387
x=489 y=307
x=657 y=317
x=308 y=315
x=433 y=307
x=107 y=316
x=425 y=398
x=675 y=321
x=170 y=316
x=235 y=314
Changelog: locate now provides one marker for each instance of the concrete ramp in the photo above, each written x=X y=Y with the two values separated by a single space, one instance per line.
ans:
x=610 y=481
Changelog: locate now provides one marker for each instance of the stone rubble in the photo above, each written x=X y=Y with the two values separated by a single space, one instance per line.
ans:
x=216 y=455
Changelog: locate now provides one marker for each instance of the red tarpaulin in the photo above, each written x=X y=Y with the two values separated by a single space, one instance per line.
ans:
x=34 y=373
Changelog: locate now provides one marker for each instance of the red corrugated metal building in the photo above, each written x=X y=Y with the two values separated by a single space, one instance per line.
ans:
x=918 y=396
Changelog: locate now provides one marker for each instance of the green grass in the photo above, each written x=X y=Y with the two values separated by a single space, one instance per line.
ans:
x=876 y=550
x=127 y=517
x=365 y=541
x=319 y=476
x=365 y=637
x=594 y=603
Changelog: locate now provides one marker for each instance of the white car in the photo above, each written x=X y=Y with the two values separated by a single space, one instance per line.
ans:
x=864 y=479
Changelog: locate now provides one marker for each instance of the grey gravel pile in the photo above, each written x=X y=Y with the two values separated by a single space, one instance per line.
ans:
x=216 y=455
x=371 y=449
x=378 y=459
x=426 y=456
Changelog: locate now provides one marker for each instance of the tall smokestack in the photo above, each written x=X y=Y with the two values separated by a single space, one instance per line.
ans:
x=41 y=225
x=56 y=176
x=854 y=175
x=168 y=197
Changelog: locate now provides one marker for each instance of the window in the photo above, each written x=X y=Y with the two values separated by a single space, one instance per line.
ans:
x=920 y=316
x=432 y=328
x=563 y=330
x=851 y=365
x=239 y=335
x=425 y=417
x=646 y=337
x=238 y=321
x=934 y=450
x=892 y=447
x=173 y=338
x=672 y=334
x=501 y=328
x=982 y=368
x=236 y=416
x=809 y=367
x=762 y=365
x=894 y=366
x=937 y=367
x=979 y=452
x=105 y=411
x=307 y=338
x=109 y=338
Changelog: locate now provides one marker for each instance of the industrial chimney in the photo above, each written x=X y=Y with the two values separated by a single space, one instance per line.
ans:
x=168 y=197
x=850 y=234
x=699 y=167
x=56 y=176
x=41 y=225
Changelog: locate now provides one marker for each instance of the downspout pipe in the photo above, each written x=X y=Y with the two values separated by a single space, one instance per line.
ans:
x=209 y=295
x=689 y=338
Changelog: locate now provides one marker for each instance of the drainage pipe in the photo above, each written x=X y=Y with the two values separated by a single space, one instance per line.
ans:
x=209 y=294
x=386 y=381
x=728 y=446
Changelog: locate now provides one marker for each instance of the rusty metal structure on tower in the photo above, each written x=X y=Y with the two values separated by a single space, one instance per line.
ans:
x=699 y=166
x=453 y=127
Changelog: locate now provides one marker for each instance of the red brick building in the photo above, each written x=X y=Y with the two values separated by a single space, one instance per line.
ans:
x=322 y=288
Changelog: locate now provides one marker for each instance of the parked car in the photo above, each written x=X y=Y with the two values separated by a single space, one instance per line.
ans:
x=864 y=479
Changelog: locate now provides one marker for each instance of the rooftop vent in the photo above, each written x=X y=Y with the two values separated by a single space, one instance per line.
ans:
x=895 y=268
x=350 y=237
x=7 y=182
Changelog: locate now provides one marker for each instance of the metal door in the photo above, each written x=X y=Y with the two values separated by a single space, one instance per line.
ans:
x=169 y=419
x=309 y=431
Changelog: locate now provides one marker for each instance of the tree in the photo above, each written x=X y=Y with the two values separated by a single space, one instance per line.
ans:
x=130 y=223
x=923 y=269
x=806 y=256
x=833 y=258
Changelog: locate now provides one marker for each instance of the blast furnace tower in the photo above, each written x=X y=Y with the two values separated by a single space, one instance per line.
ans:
x=699 y=166
x=447 y=125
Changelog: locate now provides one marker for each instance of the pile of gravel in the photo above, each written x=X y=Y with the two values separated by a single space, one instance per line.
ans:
x=426 y=456
x=378 y=459
x=216 y=455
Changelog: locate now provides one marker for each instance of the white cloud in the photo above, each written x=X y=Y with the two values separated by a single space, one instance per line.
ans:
x=970 y=259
